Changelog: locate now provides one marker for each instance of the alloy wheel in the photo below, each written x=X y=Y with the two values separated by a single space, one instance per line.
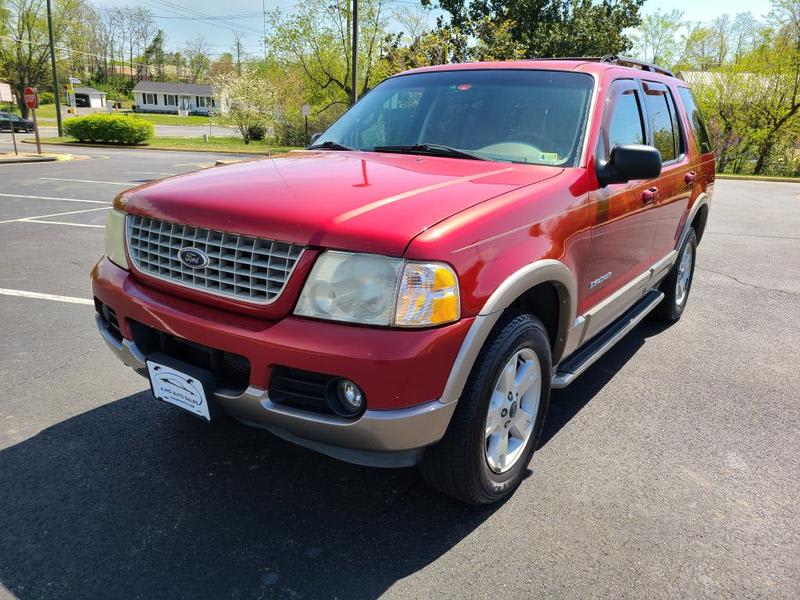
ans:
x=512 y=410
x=684 y=275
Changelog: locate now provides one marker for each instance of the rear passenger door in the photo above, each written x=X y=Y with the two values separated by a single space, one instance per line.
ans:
x=622 y=236
x=678 y=173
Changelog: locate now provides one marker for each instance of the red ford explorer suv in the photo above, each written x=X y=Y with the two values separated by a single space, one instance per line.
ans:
x=409 y=288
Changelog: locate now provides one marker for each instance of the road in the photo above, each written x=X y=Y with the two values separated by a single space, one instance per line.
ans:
x=669 y=469
x=161 y=131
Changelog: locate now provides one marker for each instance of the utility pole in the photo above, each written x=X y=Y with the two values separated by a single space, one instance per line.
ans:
x=56 y=91
x=237 y=38
x=354 y=77
x=264 y=21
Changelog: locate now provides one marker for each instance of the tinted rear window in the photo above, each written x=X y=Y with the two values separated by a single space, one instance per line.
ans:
x=663 y=120
x=695 y=120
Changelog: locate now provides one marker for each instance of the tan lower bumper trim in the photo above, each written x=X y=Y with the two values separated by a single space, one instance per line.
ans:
x=382 y=431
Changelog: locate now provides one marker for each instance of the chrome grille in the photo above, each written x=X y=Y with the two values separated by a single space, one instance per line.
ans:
x=241 y=267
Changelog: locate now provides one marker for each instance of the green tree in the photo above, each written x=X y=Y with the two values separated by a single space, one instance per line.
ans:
x=154 y=54
x=250 y=104
x=655 y=40
x=550 y=28
x=25 y=57
x=317 y=38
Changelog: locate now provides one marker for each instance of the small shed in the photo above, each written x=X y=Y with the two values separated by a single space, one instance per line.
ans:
x=87 y=97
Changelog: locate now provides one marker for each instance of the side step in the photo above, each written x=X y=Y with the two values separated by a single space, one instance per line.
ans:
x=586 y=356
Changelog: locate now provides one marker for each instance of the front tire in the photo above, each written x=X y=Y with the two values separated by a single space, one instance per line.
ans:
x=485 y=452
x=678 y=283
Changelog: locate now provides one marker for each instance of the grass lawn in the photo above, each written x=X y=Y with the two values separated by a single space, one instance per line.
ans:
x=171 y=119
x=215 y=144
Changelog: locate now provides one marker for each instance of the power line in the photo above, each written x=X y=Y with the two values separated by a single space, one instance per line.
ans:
x=183 y=11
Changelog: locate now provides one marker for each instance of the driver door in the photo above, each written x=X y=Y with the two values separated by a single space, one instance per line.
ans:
x=624 y=225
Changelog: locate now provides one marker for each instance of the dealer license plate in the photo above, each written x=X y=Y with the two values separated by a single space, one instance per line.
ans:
x=179 y=389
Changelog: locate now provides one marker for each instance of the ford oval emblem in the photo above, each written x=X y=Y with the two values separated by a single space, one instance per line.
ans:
x=193 y=258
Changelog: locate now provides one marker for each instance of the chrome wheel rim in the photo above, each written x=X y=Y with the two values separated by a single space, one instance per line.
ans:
x=512 y=410
x=684 y=275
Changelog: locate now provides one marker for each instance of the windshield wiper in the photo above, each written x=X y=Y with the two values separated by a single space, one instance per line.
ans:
x=329 y=145
x=434 y=149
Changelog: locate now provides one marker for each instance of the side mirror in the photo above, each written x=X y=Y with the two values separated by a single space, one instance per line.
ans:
x=632 y=161
x=314 y=138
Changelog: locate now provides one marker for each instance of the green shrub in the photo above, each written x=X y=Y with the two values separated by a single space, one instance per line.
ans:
x=46 y=98
x=115 y=129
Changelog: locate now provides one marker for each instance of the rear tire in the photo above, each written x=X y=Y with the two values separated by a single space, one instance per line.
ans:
x=503 y=405
x=678 y=283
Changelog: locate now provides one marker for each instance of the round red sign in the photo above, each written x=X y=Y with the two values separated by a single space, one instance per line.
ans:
x=31 y=99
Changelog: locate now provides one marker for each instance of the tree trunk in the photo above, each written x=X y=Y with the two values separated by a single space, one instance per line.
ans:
x=763 y=154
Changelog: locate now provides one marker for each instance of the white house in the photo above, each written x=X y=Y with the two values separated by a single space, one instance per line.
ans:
x=166 y=97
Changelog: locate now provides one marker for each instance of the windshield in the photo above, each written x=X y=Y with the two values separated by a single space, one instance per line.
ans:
x=507 y=115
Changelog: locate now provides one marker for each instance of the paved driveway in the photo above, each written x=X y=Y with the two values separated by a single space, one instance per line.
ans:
x=670 y=469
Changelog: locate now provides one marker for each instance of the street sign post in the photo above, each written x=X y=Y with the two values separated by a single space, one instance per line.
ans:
x=306 y=110
x=32 y=101
x=7 y=96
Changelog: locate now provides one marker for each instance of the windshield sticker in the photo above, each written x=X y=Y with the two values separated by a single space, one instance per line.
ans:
x=548 y=156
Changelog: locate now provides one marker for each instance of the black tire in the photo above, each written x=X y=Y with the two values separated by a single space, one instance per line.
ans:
x=672 y=306
x=457 y=466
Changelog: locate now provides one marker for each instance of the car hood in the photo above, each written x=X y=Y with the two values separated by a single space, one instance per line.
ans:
x=361 y=201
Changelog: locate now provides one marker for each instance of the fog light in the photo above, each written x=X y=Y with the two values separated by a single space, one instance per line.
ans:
x=350 y=396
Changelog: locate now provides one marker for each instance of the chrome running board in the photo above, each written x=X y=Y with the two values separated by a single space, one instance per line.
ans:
x=605 y=340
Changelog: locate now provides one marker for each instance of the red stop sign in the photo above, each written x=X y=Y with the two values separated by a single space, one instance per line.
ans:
x=31 y=99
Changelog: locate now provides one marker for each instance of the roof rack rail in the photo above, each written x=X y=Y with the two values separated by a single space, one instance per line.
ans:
x=626 y=61
x=623 y=61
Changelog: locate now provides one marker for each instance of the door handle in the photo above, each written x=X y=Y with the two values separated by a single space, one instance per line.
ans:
x=690 y=177
x=650 y=195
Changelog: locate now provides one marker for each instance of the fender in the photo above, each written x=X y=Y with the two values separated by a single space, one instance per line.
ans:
x=541 y=271
x=702 y=200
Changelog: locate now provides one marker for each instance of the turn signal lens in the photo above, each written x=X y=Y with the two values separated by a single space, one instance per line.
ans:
x=115 y=238
x=428 y=295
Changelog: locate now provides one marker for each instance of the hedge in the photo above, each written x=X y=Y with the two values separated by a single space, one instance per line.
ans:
x=115 y=129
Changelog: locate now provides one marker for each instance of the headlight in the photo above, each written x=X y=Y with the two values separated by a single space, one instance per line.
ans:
x=115 y=238
x=377 y=290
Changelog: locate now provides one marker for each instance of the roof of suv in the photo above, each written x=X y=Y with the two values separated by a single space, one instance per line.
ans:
x=586 y=65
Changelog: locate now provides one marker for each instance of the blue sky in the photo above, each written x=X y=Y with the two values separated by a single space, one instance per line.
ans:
x=179 y=30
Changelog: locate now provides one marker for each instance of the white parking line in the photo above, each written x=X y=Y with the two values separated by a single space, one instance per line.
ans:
x=41 y=296
x=62 y=223
x=127 y=183
x=54 y=198
x=61 y=214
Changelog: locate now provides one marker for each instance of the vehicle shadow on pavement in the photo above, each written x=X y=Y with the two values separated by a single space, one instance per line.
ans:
x=135 y=499
x=568 y=402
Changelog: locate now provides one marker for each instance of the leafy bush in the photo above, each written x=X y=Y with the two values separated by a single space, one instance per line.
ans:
x=116 y=129
x=257 y=132
x=46 y=98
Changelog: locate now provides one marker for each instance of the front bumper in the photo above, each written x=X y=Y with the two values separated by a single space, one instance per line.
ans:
x=395 y=368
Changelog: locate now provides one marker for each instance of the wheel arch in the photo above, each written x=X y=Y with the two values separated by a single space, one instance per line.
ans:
x=696 y=219
x=545 y=285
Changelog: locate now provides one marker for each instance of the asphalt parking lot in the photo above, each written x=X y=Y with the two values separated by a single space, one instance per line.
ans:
x=670 y=469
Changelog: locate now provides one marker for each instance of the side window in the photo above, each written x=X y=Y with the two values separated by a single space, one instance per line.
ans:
x=695 y=120
x=624 y=124
x=663 y=120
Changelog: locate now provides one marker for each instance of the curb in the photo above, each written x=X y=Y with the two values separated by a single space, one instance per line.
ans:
x=764 y=178
x=29 y=159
